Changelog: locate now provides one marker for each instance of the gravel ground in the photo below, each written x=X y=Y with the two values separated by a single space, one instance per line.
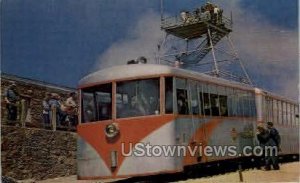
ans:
x=289 y=172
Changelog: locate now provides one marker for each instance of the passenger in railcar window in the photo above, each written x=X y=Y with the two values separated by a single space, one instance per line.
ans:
x=88 y=107
x=195 y=107
x=169 y=95
x=223 y=105
x=182 y=104
x=142 y=98
x=154 y=106
x=103 y=111
x=137 y=106
x=206 y=104
x=214 y=104
x=103 y=101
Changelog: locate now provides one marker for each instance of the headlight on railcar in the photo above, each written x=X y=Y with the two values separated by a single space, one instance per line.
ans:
x=112 y=130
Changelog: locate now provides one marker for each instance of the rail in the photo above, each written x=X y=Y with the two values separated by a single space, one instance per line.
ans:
x=175 y=21
x=24 y=119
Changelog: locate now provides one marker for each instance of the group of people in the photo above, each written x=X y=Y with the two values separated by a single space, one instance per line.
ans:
x=18 y=107
x=269 y=139
x=207 y=12
x=62 y=113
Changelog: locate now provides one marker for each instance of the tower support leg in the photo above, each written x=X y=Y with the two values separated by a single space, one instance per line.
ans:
x=161 y=46
x=216 y=69
x=240 y=61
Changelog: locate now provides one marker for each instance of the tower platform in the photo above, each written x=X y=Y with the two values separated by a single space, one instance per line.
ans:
x=195 y=27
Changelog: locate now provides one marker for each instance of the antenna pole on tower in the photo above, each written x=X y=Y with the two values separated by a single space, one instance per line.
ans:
x=231 y=19
x=161 y=10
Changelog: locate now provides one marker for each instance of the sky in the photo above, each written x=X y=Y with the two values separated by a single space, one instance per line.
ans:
x=60 y=41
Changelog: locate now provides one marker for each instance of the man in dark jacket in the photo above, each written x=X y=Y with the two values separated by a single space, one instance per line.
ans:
x=268 y=145
x=274 y=135
x=11 y=97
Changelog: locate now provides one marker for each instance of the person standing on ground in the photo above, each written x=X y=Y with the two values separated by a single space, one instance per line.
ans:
x=267 y=144
x=11 y=97
x=72 y=108
x=275 y=136
x=46 y=110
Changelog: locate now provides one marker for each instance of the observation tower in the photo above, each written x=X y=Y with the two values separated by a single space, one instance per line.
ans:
x=199 y=40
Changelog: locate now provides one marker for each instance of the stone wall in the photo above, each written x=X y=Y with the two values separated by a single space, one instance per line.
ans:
x=30 y=153
x=39 y=90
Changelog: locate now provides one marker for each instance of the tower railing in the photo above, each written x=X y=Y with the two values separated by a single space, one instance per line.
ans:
x=175 y=21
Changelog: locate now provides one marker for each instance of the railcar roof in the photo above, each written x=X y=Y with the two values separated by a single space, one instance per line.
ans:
x=135 y=71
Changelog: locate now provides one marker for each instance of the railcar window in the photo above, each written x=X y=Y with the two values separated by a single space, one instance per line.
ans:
x=104 y=102
x=233 y=98
x=229 y=93
x=223 y=105
x=269 y=109
x=223 y=101
x=241 y=103
x=279 y=112
x=88 y=107
x=206 y=100
x=292 y=114
x=138 y=98
x=263 y=106
x=297 y=115
x=247 y=104
x=284 y=113
x=182 y=102
x=97 y=103
x=288 y=112
x=214 y=100
x=169 y=95
x=194 y=97
x=275 y=111
x=252 y=104
x=182 y=96
x=201 y=98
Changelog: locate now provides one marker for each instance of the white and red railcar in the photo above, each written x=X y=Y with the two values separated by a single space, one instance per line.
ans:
x=162 y=105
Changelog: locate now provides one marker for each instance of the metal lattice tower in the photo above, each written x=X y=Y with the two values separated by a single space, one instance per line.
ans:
x=192 y=36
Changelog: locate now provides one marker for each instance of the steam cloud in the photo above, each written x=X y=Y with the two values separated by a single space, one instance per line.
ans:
x=142 y=40
x=269 y=52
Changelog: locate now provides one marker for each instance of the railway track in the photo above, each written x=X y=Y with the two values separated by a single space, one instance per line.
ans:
x=209 y=170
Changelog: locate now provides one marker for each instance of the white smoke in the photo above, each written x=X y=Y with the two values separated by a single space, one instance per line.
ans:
x=142 y=40
x=267 y=50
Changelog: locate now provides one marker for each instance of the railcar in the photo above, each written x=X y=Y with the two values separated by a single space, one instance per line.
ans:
x=160 y=105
